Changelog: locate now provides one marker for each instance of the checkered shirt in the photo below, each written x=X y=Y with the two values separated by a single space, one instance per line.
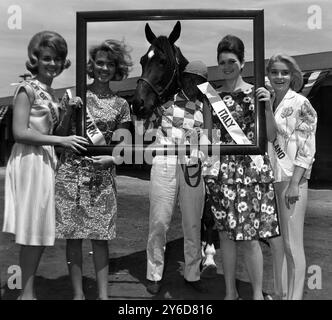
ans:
x=181 y=121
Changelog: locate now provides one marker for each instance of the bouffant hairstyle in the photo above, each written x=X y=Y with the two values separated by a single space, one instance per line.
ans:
x=296 y=74
x=233 y=45
x=46 y=39
x=118 y=52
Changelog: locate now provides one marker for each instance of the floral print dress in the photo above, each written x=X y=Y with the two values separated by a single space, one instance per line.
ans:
x=240 y=197
x=297 y=123
x=86 y=199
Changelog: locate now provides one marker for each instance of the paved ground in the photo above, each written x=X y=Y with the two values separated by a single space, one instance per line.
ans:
x=128 y=258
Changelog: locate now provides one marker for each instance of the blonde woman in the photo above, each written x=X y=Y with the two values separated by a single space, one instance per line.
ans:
x=292 y=154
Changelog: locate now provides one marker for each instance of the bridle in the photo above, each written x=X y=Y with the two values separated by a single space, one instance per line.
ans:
x=160 y=93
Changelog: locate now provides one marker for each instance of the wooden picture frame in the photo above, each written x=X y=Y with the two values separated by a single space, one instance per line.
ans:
x=256 y=15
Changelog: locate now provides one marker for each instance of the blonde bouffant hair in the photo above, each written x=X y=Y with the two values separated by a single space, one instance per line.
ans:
x=296 y=74
x=46 y=39
x=117 y=51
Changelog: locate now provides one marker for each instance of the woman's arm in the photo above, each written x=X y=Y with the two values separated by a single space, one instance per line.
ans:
x=264 y=95
x=305 y=130
x=23 y=134
x=305 y=134
x=292 y=192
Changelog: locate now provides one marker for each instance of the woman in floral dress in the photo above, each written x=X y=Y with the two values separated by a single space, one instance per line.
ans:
x=86 y=200
x=292 y=154
x=240 y=195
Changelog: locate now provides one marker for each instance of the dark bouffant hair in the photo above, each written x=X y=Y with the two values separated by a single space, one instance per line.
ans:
x=231 y=44
x=118 y=52
x=46 y=39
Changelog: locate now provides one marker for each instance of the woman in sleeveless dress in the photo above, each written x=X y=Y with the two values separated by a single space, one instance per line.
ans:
x=86 y=199
x=239 y=194
x=29 y=186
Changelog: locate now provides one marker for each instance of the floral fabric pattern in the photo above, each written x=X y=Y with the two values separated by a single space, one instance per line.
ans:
x=86 y=198
x=241 y=197
x=297 y=122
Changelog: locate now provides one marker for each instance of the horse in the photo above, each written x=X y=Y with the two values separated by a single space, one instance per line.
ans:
x=162 y=66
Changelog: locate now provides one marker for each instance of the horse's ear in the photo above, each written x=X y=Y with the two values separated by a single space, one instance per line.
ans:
x=175 y=34
x=150 y=36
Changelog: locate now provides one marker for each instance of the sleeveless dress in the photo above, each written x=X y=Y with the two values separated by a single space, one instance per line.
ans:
x=30 y=174
x=86 y=199
x=240 y=197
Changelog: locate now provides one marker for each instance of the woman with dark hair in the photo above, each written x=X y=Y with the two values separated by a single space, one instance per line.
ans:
x=292 y=150
x=37 y=127
x=239 y=188
x=86 y=199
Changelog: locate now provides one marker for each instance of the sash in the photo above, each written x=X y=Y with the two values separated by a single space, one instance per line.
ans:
x=44 y=95
x=285 y=163
x=92 y=131
x=228 y=121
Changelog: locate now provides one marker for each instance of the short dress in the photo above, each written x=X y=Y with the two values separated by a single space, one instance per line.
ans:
x=86 y=198
x=240 y=197
x=30 y=174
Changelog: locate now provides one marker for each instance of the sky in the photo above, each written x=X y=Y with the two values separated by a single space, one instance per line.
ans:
x=291 y=26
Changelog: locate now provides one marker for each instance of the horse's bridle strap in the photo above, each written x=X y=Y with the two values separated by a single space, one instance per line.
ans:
x=156 y=91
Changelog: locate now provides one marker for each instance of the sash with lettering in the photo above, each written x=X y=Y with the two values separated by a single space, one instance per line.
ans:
x=227 y=120
x=92 y=131
x=285 y=163
x=44 y=95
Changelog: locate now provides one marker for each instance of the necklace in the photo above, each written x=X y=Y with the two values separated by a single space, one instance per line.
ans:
x=101 y=94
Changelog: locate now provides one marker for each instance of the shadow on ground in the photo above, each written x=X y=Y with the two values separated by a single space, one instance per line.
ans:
x=127 y=281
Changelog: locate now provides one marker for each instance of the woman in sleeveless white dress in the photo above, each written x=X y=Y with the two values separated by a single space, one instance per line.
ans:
x=29 y=187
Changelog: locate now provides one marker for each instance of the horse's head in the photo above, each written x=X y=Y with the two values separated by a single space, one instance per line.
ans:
x=161 y=67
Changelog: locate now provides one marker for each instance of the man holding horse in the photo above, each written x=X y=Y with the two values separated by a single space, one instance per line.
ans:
x=178 y=178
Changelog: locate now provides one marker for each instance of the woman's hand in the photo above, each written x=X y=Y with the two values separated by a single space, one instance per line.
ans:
x=264 y=95
x=75 y=143
x=104 y=162
x=292 y=194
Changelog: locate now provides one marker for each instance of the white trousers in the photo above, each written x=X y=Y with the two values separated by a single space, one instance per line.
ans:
x=167 y=184
x=292 y=224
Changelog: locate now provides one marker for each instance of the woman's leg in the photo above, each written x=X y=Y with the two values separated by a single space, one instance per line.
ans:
x=279 y=267
x=29 y=261
x=292 y=223
x=253 y=257
x=101 y=261
x=228 y=255
x=74 y=262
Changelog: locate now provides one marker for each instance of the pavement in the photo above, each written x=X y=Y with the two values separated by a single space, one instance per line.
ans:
x=128 y=258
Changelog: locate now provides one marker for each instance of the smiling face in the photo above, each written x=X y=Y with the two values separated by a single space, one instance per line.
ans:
x=103 y=67
x=230 y=65
x=280 y=76
x=49 y=65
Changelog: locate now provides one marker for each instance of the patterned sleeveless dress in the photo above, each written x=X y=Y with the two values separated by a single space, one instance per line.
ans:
x=240 y=197
x=86 y=199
